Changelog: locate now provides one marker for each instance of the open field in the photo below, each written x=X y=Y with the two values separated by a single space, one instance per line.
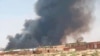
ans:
x=71 y=52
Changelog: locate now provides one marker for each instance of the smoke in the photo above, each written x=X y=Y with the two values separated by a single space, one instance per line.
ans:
x=58 y=19
x=22 y=40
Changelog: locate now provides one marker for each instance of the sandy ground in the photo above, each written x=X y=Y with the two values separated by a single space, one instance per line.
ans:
x=63 y=53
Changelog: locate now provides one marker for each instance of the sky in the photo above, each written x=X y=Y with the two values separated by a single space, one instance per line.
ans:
x=12 y=17
x=13 y=14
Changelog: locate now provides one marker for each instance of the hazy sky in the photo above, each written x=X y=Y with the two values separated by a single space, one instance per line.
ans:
x=14 y=12
x=12 y=16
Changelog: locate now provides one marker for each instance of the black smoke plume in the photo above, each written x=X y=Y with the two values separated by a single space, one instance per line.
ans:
x=58 y=19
